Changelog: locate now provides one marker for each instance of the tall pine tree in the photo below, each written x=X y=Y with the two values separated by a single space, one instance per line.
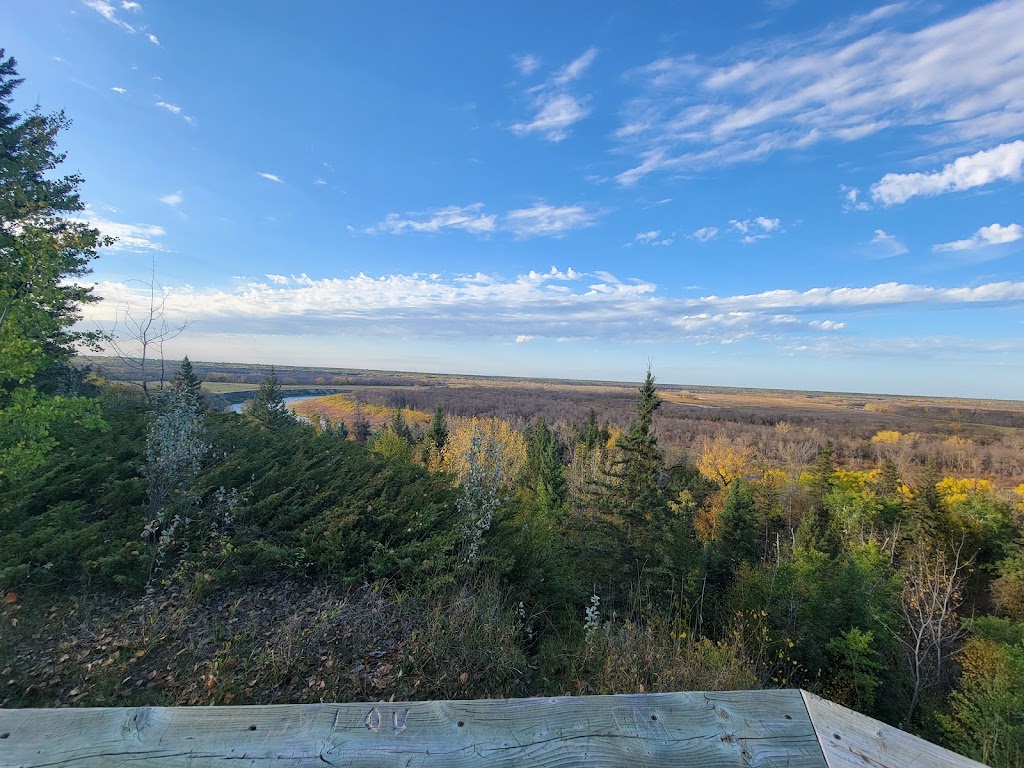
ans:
x=43 y=250
x=268 y=406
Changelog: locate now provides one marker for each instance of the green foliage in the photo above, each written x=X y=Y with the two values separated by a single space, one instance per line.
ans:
x=544 y=483
x=739 y=537
x=590 y=433
x=855 y=674
x=437 y=434
x=326 y=507
x=42 y=253
x=985 y=714
x=77 y=519
x=391 y=446
x=268 y=407
x=187 y=382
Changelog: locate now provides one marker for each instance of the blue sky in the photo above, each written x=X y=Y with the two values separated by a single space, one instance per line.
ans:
x=770 y=193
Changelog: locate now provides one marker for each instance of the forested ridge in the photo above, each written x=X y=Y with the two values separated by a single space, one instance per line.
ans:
x=155 y=550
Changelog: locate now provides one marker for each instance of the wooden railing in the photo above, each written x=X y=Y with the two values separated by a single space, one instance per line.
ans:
x=699 y=730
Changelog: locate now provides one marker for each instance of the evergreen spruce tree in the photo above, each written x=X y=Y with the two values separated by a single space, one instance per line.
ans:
x=927 y=516
x=43 y=250
x=644 y=541
x=739 y=535
x=638 y=467
x=400 y=427
x=590 y=435
x=437 y=435
x=268 y=406
x=187 y=382
x=823 y=475
x=888 y=484
x=544 y=475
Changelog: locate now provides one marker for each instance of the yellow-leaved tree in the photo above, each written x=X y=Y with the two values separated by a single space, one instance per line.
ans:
x=497 y=438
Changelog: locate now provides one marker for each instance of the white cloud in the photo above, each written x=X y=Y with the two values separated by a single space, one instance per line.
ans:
x=958 y=81
x=270 y=177
x=527 y=64
x=319 y=181
x=540 y=220
x=131 y=6
x=469 y=218
x=556 y=113
x=556 y=304
x=174 y=109
x=852 y=200
x=1002 y=163
x=130 y=237
x=827 y=325
x=652 y=238
x=522 y=338
x=153 y=39
x=109 y=12
x=881 y=295
x=759 y=228
x=555 y=109
x=174 y=198
x=888 y=245
x=994 y=234
x=119 y=89
x=575 y=68
x=705 y=233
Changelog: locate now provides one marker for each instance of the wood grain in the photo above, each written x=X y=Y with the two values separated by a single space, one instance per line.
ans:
x=760 y=728
x=851 y=740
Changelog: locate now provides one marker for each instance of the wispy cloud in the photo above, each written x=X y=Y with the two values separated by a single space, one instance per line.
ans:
x=153 y=39
x=539 y=220
x=527 y=64
x=543 y=220
x=555 y=108
x=130 y=237
x=174 y=109
x=319 y=181
x=173 y=199
x=881 y=295
x=522 y=338
x=119 y=89
x=109 y=12
x=270 y=177
x=575 y=68
x=994 y=234
x=705 y=233
x=887 y=245
x=469 y=218
x=1002 y=163
x=131 y=7
x=958 y=81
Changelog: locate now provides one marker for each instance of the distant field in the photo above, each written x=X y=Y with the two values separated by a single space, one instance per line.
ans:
x=424 y=390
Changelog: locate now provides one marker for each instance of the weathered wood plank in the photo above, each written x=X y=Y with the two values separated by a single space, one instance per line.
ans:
x=852 y=740
x=760 y=728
